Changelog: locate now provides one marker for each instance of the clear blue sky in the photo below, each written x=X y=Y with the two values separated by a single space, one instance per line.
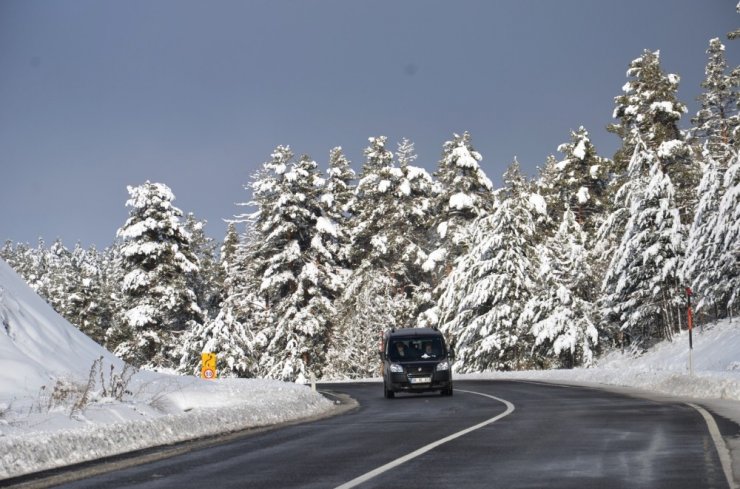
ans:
x=97 y=95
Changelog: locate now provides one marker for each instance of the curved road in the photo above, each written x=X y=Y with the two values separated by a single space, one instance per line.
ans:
x=490 y=434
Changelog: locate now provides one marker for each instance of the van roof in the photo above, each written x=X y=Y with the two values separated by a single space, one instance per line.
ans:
x=413 y=332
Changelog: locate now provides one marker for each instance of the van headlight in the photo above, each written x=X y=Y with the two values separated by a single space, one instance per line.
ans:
x=443 y=365
x=396 y=368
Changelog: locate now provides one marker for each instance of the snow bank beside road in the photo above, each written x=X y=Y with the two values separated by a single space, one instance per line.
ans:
x=54 y=439
x=45 y=365
x=665 y=368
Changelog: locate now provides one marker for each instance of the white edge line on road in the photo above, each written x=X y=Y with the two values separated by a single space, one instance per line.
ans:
x=395 y=463
x=722 y=451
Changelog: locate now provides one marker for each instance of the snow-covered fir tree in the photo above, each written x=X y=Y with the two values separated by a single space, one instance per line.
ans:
x=390 y=222
x=157 y=302
x=336 y=196
x=660 y=176
x=290 y=274
x=227 y=334
x=700 y=267
x=717 y=120
x=465 y=194
x=413 y=220
x=577 y=182
x=561 y=313
x=642 y=288
x=369 y=305
x=86 y=307
x=208 y=283
x=36 y=268
x=370 y=205
x=648 y=109
x=716 y=126
x=52 y=275
x=726 y=237
x=392 y=216
x=483 y=297
x=229 y=247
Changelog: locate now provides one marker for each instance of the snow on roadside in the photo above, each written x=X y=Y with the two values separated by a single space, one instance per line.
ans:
x=664 y=369
x=205 y=408
x=45 y=365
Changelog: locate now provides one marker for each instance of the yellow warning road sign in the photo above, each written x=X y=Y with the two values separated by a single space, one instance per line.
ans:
x=208 y=365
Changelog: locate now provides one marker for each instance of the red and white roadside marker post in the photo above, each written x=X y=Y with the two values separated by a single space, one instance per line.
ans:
x=690 y=322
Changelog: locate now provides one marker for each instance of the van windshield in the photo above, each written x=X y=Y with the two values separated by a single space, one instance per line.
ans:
x=416 y=348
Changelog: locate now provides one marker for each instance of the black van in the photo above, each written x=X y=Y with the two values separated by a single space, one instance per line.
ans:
x=415 y=360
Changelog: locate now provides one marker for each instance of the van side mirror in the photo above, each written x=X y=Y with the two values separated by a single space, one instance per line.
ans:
x=451 y=353
x=381 y=353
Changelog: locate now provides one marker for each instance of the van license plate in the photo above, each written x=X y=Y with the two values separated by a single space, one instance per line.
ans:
x=420 y=380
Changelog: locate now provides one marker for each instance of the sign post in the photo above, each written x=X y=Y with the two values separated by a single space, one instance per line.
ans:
x=690 y=321
x=208 y=366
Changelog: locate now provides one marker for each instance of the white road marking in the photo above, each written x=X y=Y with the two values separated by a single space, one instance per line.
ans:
x=395 y=463
x=722 y=451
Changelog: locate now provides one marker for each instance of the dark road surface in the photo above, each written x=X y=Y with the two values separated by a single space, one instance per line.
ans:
x=556 y=437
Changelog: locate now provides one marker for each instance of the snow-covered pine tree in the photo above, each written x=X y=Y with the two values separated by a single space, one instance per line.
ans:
x=649 y=111
x=157 y=304
x=208 y=284
x=717 y=120
x=33 y=264
x=296 y=284
x=700 y=267
x=370 y=205
x=716 y=125
x=59 y=278
x=16 y=256
x=484 y=296
x=412 y=224
x=85 y=306
x=37 y=268
x=13 y=255
x=726 y=237
x=642 y=288
x=229 y=247
x=368 y=305
x=577 y=182
x=336 y=197
x=561 y=313
x=24 y=260
x=465 y=194
x=227 y=334
x=661 y=176
x=547 y=185
x=392 y=208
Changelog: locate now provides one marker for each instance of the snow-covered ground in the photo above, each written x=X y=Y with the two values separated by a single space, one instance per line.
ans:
x=665 y=368
x=54 y=413
x=48 y=418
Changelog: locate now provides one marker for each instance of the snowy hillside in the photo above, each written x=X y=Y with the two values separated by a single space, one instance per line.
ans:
x=53 y=413
x=37 y=346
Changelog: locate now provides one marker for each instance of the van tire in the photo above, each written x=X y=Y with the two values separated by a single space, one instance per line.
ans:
x=389 y=394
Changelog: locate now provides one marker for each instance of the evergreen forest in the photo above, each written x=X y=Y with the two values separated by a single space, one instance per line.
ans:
x=593 y=253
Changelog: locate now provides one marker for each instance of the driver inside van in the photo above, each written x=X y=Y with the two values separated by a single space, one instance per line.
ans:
x=401 y=349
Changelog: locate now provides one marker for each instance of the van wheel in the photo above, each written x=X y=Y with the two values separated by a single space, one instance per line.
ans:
x=389 y=394
x=447 y=392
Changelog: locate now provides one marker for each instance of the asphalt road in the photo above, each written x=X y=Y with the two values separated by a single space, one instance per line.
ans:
x=547 y=436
